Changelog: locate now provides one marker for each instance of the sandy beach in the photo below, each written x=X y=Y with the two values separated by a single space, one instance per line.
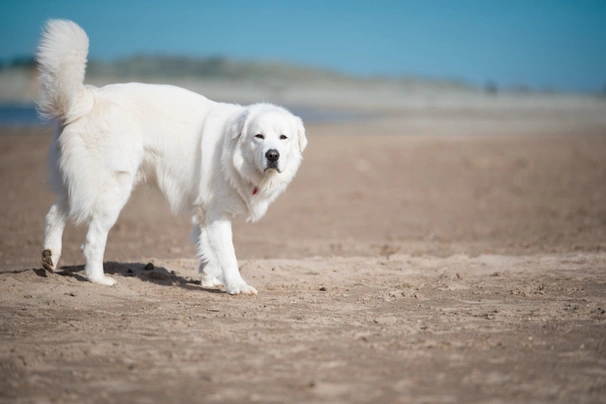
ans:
x=423 y=255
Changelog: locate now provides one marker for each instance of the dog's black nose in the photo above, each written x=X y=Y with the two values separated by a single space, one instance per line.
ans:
x=272 y=155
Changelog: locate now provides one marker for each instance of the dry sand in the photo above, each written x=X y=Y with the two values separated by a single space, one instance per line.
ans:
x=416 y=268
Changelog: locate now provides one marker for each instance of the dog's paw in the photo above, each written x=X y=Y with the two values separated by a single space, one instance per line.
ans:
x=210 y=282
x=103 y=280
x=241 y=288
x=47 y=260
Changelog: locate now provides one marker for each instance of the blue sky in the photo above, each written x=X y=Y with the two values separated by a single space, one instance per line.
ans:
x=558 y=44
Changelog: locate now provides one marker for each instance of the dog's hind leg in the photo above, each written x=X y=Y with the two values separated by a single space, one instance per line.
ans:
x=53 y=232
x=107 y=207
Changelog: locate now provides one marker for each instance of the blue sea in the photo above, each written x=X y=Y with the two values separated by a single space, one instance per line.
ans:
x=12 y=114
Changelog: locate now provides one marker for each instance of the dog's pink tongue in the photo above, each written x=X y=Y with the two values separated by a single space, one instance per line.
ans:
x=255 y=191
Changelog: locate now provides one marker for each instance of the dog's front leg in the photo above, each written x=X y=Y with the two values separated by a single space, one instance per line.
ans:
x=209 y=270
x=218 y=231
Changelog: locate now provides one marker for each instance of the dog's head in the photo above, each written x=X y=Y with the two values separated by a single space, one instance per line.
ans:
x=270 y=142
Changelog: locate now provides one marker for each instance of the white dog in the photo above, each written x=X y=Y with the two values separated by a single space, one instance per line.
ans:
x=212 y=160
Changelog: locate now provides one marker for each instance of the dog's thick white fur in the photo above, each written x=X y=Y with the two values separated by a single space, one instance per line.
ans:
x=212 y=160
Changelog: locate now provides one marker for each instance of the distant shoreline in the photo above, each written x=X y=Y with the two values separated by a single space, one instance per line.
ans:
x=24 y=114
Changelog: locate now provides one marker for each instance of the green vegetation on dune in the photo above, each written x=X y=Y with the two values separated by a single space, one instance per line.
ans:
x=210 y=67
x=218 y=67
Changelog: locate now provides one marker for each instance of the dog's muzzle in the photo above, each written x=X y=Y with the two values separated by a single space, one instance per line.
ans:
x=272 y=157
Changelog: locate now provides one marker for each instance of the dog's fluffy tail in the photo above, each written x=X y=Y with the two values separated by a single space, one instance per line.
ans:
x=61 y=61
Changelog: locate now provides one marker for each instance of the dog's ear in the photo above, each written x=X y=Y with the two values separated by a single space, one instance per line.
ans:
x=301 y=134
x=239 y=125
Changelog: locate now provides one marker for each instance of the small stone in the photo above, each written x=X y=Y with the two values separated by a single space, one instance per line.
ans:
x=149 y=266
x=323 y=289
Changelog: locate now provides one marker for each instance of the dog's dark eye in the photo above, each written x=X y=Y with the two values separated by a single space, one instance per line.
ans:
x=283 y=137
x=260 y=136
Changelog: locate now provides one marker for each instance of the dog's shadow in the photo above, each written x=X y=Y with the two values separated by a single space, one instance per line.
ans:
x=145 y=272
